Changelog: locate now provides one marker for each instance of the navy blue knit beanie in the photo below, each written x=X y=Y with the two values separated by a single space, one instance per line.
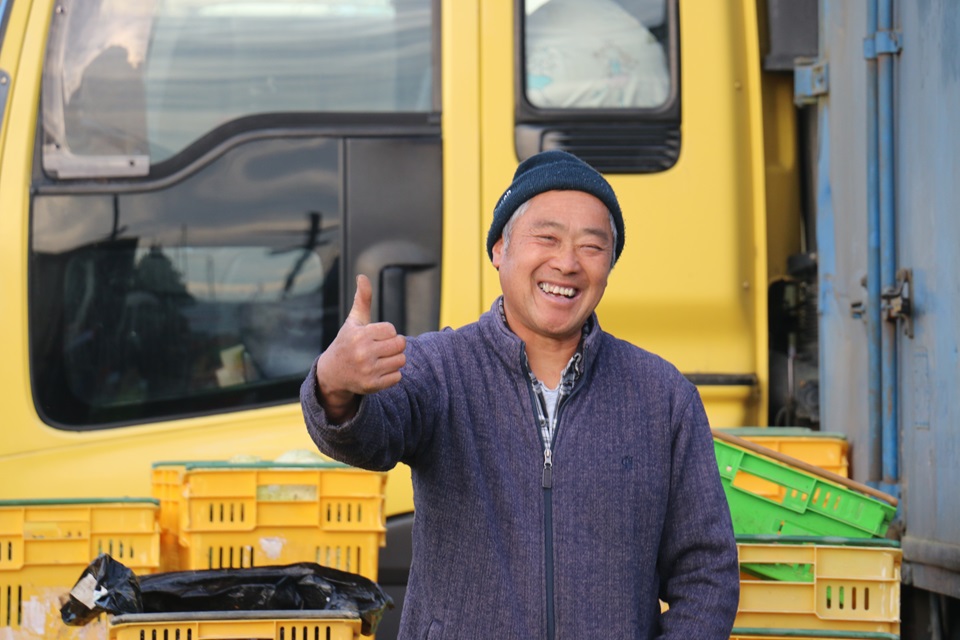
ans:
x=553 y=171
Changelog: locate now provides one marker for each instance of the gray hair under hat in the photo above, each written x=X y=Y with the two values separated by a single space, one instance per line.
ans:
x=553 y=171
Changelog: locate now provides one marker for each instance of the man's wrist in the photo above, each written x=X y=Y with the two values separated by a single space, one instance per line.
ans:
x=339 y=406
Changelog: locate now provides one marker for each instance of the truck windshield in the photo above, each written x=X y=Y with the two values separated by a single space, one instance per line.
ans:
x=130 y=84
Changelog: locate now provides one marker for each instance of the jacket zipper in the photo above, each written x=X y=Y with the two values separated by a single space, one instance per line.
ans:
x=547 y=484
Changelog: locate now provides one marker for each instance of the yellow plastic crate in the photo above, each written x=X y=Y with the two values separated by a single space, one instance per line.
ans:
x=263 y=625
x=46 y=544
x=792 y=634
x=218 y=515
x=853 y=588
x=829 y=451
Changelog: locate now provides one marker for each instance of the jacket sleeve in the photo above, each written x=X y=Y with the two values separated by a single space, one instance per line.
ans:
x=697 y=564
x=391 y=426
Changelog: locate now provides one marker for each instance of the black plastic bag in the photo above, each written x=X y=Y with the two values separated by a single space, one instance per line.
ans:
x=301 y=586
x=104 y=586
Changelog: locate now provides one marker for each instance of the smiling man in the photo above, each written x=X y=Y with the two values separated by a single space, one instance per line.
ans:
x=564 y=480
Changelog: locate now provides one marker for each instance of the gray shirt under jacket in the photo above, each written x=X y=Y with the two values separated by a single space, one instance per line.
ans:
x=634 y=509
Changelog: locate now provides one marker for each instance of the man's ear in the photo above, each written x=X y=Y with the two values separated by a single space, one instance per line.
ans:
x=497 y=251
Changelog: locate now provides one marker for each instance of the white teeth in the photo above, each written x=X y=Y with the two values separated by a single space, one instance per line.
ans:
x=567 y=292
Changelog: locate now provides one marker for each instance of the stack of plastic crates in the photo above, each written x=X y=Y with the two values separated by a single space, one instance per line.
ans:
x=813 y=560
x=220 y=515
x=46 y=544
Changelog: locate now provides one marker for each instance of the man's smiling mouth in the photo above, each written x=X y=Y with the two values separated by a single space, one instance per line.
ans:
x=566 y=292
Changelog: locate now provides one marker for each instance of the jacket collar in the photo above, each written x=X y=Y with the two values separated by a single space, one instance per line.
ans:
x=511 y=350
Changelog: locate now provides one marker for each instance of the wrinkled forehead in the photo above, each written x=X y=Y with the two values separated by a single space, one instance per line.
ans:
x=573 y=211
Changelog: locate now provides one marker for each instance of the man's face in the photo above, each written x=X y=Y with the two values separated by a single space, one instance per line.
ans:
x=554 y=270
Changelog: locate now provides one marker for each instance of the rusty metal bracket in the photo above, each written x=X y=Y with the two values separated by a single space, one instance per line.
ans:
x=897 y=301
x=810 y=80
x=857 y=309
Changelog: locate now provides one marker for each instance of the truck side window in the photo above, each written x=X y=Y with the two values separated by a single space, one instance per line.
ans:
x=188 y=299
x=600 y=79
x=601 y=54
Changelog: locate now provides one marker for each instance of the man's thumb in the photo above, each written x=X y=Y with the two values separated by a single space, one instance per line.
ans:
x=360 y=312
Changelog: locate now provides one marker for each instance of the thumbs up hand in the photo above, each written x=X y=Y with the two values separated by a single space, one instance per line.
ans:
x=364 y=358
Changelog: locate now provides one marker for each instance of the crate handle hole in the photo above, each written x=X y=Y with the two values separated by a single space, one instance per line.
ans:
x=866 y=598
x=829 y=597
x=759 y=485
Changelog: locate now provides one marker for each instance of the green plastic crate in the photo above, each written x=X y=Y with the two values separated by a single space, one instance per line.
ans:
x=806 y=505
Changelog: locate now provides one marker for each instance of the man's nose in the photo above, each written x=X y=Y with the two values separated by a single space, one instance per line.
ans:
x=566 y=259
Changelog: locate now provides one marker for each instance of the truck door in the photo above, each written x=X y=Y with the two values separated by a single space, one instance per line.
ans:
x=189 y=188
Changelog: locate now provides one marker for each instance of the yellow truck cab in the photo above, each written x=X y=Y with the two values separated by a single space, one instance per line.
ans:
x=188 y=189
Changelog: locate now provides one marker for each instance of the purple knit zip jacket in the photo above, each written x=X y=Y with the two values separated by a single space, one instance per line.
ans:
x=635 y=512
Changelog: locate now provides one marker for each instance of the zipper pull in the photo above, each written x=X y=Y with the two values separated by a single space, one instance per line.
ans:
x=547 y=469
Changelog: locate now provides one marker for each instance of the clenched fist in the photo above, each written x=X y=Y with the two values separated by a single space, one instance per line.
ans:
x=364 y=358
